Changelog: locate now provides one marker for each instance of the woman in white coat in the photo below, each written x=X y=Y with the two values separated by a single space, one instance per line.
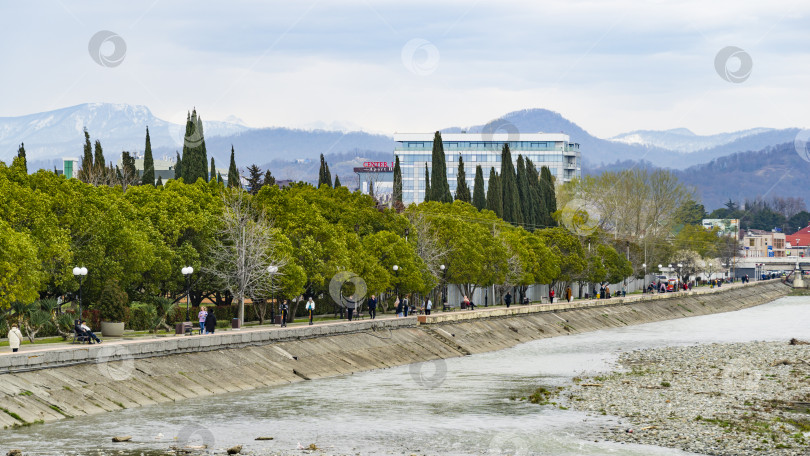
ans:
x=14 y=338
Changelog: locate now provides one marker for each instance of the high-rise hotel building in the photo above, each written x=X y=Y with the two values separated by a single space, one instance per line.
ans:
x=554 y=150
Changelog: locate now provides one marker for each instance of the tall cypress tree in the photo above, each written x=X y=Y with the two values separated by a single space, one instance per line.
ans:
x=462 y=189
x=536 y=195
x=494 y=201
x=202 y=154
x=21 y=156
x=195 y=159
x=549 y=195
x=86 y=170
x=148 y=162
x=527 y=204
x=509 y=189
x=397 y=181
x=219 y=178
x=324 y=176
x=178 y=166
x=479 y=200
x=427 y=184
x=233 y=173
x=101 y=176
x=268 y=179
x=337 y=181
x=439 y=188
x=213 y=173
x=159 y=181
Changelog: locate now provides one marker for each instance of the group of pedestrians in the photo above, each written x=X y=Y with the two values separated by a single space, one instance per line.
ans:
x=207 y=320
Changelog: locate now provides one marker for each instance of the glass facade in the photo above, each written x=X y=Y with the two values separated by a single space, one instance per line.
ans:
x=414 y=150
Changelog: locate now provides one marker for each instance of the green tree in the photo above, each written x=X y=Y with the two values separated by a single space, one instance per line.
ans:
x=494 y=201
x=397 y=181
x=20 y=272
x=254 y=179
x=548 y=195
x=195 y=159
x=148 y=162
x=527 y=204
x=509 y=189
x=479 y=200
x=567 y=250
x=213 y=172
x=691 y=212
x=268 y=180
x=439 y=188
x=233 y=173
x=85 y=173
x=427 y=184
x=22 y=158
x=337 y=181
x=178 y=166
x=462 y=190
x=159 y=181
x=324 y=176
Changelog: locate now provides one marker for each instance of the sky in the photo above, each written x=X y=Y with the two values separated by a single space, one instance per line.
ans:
x=611 y=66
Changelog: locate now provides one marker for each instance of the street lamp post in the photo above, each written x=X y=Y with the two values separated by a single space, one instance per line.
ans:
x=680 y=277
x=396 y=274
x=187 y=271
x=80 y=272
x=272 y=270
x=644 y=281
x=444 y=285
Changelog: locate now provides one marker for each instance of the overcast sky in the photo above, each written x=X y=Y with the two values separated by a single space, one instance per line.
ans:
x=412 y=66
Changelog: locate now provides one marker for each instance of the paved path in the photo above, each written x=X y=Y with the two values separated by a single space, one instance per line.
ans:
x=480 y=312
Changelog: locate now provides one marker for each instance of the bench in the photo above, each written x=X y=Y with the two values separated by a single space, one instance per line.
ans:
x=79 y=338
x=447 y=305
x=188 y=329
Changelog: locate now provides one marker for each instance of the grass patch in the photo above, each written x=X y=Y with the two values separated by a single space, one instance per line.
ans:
x=542 y=396
x=26 y=393
x=666 y=384
x=44 y=340
x=13 y=415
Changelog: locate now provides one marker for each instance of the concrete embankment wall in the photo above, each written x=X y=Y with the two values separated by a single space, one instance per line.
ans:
x=95 y=379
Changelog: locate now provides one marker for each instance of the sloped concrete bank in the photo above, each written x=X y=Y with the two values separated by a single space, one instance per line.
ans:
x=97 y=379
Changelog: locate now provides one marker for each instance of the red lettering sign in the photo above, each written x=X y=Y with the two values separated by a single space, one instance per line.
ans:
x=377 y=164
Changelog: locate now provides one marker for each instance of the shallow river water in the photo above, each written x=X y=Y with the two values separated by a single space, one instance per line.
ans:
x=457 y=406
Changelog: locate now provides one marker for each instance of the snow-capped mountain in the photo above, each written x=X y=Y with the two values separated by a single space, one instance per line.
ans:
x=682 y=139
x=59 y=133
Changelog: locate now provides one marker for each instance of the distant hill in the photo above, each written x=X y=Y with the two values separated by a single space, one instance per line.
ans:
x=595 y=151
x=772 y=171
x=682 y=139
x=710 y=162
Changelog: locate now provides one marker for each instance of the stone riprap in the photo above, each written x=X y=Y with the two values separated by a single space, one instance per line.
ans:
x=51 y=384
x=717 y=399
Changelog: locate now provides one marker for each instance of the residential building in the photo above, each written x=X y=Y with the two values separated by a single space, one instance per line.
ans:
x=800 y=242
x=70 y=167
x=414 y=150
x=726 y=227
x=761 y=243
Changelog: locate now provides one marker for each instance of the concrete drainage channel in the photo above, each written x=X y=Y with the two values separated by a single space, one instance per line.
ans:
x=52 y=385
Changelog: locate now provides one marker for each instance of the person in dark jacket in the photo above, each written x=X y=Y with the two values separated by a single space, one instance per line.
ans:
x=284 y=308
x=507 y=299
x=210 y=323
x=372 y=307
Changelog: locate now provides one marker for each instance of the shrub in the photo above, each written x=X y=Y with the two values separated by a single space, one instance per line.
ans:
x=142 y=316
x=112 y=304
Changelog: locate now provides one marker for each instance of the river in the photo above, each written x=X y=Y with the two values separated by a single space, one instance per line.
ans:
x=460 y=406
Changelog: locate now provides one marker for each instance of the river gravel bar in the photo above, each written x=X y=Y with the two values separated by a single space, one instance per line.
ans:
x=714 y=399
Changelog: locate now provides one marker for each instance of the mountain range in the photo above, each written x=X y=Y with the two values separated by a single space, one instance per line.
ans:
x=289 y=153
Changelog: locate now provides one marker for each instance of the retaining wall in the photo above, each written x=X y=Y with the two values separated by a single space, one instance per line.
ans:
x=56 y=384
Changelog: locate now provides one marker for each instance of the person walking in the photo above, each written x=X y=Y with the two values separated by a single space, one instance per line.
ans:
x=311 y=309
x=372 y=307
x=210 y=322
x=284 y=309
x=405 y=305
x=14 y=338
x=350 y=305
x=551 y=296
x=507 y=299
x=398 y=308
x=568 y=294
x=201 y=318
x=428 y=306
